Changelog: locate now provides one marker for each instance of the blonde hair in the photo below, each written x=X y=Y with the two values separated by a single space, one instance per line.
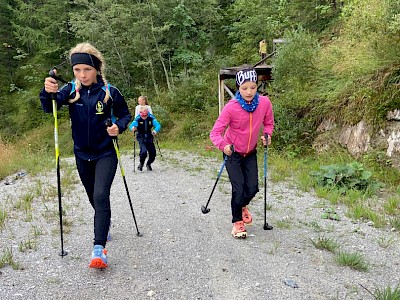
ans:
x=90 y=49
x=145 y=99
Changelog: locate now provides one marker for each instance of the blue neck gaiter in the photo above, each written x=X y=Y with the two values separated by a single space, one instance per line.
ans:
x=249 y=107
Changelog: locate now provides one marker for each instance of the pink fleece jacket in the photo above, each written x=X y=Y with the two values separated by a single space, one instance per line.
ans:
x=244 y=127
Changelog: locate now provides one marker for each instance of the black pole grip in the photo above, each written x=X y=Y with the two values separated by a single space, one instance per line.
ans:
x=52 y=74
x=266 y=139
x=108 y=122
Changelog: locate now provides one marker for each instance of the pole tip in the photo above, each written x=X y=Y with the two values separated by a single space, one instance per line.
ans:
x=205 y=210
x=267 y=227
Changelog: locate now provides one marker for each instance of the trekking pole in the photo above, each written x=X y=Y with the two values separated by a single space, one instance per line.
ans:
x=205 y=209
x=266 y=226
x=134 y=151
x=114 y=139
x=159 y=150
x=57 y=152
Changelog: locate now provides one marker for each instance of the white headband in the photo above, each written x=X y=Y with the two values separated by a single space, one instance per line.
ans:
x=246 y=75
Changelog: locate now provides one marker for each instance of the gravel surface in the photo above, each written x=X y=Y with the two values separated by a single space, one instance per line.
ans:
x=184 y=254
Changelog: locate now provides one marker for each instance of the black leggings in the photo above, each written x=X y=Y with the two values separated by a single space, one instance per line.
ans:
x=144 y=148
x=243 y=174
x=97 y=177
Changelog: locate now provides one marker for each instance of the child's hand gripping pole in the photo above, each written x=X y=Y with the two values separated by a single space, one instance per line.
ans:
x=53 y=74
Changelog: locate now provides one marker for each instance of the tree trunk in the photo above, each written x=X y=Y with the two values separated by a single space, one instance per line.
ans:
x=153 y=76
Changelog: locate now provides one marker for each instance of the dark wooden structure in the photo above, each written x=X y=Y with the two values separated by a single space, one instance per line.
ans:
x=264 y=72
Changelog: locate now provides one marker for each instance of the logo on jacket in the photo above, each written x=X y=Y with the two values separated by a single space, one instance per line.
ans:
x=99 y=108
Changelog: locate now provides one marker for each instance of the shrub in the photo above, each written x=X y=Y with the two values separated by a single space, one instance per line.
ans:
x=345 y=177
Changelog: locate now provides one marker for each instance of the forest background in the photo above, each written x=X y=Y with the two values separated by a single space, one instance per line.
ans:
x=341 y=61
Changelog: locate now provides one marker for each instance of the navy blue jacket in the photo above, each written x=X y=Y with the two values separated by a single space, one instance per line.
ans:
x=88 y=115
x=145 y=128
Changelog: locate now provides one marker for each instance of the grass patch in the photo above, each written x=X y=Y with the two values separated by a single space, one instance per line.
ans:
x=69 y=177
x=269 y=206
x=353 y=260
x=333 y=196
x=3 y=217
x=387 y=293
x=315 y=225
x=274 y=248
x=67 y=226
x=281 y=168
x=29 y=244
x=283 y=224
x=304 y=181
x=392 y=205
x=7 y=258
x=25 y=202
x=325 y=243
x=36 y=231
x=7 y=160
x=385 y=242
x=395 y=223
x=361 y=211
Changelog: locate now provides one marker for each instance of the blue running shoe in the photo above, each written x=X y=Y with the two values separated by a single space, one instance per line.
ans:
x=99 y=258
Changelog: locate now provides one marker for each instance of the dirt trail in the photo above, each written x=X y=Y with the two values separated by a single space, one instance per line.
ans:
x=184 y=254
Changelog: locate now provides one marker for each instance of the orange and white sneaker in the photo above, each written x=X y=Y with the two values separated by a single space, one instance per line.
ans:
x=99 y=258
x=246 y=216
x=238 y=230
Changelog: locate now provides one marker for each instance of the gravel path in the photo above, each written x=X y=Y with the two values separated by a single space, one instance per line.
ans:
x=184 y=254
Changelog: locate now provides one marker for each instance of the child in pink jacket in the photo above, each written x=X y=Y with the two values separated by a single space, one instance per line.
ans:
x=236 y=133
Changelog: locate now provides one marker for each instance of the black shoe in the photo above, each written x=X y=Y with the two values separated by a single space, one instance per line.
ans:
x=149 y=168
x=140 y=167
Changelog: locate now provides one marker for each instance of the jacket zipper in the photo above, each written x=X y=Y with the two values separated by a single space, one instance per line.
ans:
x=88 y=118
x=251 y=133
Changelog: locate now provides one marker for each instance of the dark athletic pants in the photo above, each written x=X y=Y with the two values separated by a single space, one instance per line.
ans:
x=243 y=174
x=97 y=177
x=144 y=148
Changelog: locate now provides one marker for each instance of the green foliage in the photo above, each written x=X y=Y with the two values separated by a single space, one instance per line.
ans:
x=3 y=217
x=353 y=260
x=294 y=70
x=387 y=293
x=147 y=42
x=392 y=205
x=292 y=133
x=358 y=66
x=330 y=214
x=7 y=258
x=191 y=94
x=325 y=243
x=345 y=177
x=395 y=222
x=7 y=63
x=341 y=60
x=267 y=21
x=42 y=26
x=294 y=62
